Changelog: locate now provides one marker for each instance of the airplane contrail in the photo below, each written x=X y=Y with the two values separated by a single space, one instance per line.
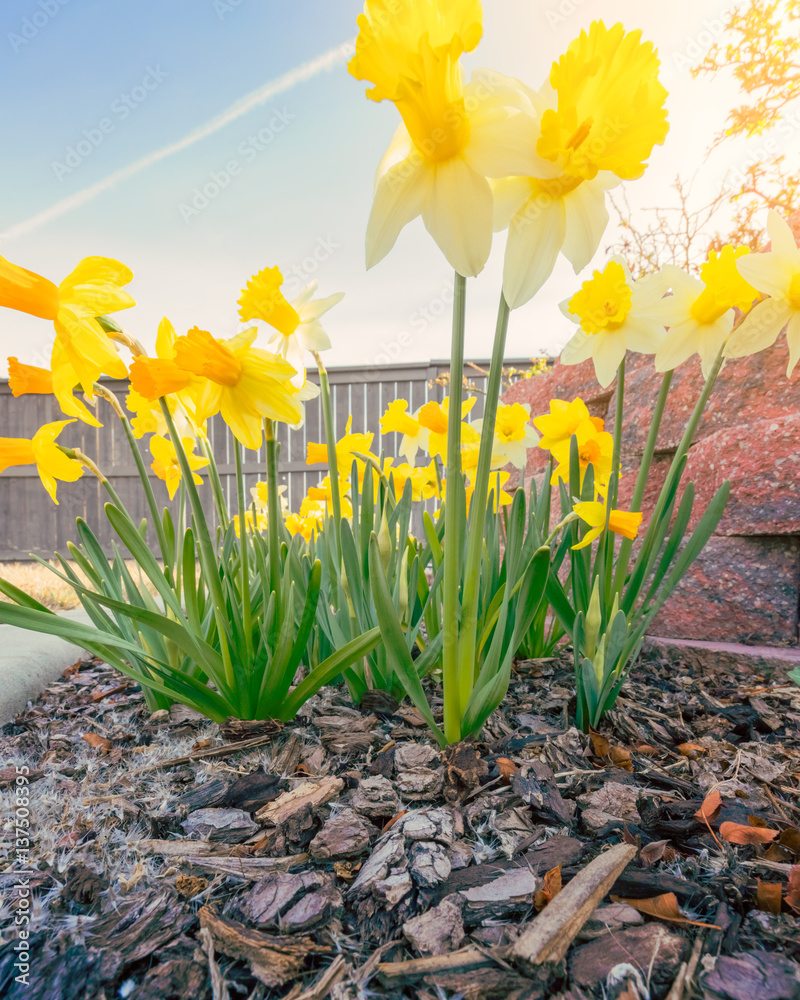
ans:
x=327 y=61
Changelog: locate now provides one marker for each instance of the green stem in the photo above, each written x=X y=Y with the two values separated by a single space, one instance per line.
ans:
x=216 y=483
x=204 y=543
x=641 y=480
x=166 y=555
x=330 y=444
x=469 y=610
x=247 y=614
x=452 y=521
x=273 y=510
x=609 y=537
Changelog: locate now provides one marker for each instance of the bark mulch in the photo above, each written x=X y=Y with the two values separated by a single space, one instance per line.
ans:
x=345 y=856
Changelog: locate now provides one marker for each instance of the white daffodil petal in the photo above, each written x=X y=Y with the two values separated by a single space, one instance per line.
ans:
x=458 y=215
x=759 y=329
x=679 y=345
x=400 y=196
x=781 y=236
x=768 y=272
x=578 y=349
x=318 y=307
x=607 y=356
x=304 y=297
x=793 y=340
x=643 y=335
x=565 y=311
x=535 y=237
x=587 y=218
x=510 y=194
x=504 y=146
x=312 y=337
x=400 y=149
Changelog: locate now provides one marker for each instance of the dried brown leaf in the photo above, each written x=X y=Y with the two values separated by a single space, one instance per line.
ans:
x=768 y=896
x=600 y=744
x=98 y=742
x=663 y=907
x=620 y=757
x=691 y=750
x=651 y=854
x=507 y=768
x=738 y=833
x=551 y=888
x=390 y=823
x=710 y=808
x=793 y=888
x=790 y=839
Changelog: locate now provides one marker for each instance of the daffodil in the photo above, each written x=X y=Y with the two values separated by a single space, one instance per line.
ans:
x=260 y=496
x=598 y=118
x=296 y=325
x=322 y=496
x=346 y=448
x=244 y=383
x=595 y=448
x=43 y=452
x=776 y=274
x=29 y=379
x=397 y=420
x=563 y=421
x=434 y=417
x=425 y=481
x=454 y=135
x=513 y=435
x=93 y=289
x=593 y=512
x=498 y=497
x=613 y=312
x=166 y=465
x=307 y=527
x=700 y=312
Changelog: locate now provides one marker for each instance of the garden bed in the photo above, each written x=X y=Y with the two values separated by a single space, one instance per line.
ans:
x=346 y=856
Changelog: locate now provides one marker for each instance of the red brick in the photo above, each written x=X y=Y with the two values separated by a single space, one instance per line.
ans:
x=739 y=590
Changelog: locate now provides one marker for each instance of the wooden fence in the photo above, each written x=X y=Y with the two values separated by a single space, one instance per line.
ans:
x=31 y=523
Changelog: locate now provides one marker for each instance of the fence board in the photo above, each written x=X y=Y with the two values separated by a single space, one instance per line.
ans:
x=31 y=523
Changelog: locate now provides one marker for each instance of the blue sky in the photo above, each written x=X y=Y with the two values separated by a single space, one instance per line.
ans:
x=117 y=82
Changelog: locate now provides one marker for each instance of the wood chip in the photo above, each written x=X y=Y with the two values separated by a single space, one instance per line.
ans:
x=310 y=793
x=549 y=936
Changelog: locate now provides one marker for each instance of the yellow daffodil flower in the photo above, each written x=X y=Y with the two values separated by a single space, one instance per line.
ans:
x=346 y=447
x=613 y=312
x=595 y=448
x=260 y=523
x=320 y=497
x=700 y=312
x=93 y=289
x=307 y=527
x=397 y=420
x=434 y=417
x=498 y=496
x=453 y=135
x=425 y=481
x=776 y=274
x=28 y=379
x=43 y=452
x=593 y=512
x=563 y=420
x=166 y=465
x=598 y=116
x=297 y=324
x=513 y=436
x=240 y=381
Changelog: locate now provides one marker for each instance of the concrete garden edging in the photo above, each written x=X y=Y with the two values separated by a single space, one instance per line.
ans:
x=29 y=661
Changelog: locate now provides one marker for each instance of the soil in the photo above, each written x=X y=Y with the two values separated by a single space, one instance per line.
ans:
x=345 y=856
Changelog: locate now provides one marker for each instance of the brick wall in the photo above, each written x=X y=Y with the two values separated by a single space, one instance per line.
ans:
x=745 y=587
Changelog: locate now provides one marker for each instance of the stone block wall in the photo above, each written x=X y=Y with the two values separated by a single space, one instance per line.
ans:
x=745 y=587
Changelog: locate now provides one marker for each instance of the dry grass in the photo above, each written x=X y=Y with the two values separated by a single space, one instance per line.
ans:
x=38 y=582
